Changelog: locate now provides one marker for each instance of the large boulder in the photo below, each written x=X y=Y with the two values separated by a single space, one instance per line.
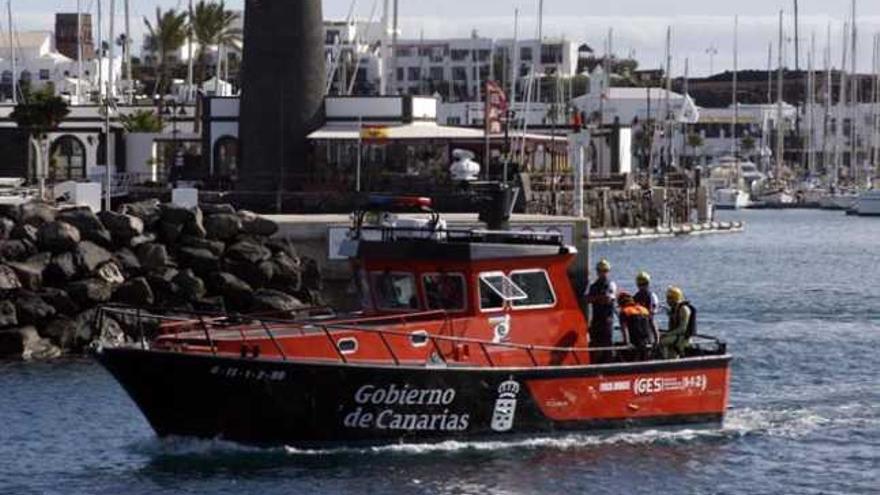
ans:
x=195 y=227
x=282 y=245
x=16 y=250
x=254 y=224
x=222 y=226
x=128 y=261
x=110 y=272
x=8 y=279
x=273 y=301
x=63 y=332
x=10 y=211
x=161 y=280
x=200 y=260
x=216 y=247
x=135 y=292
x=237 y=293
x=287 y=272
x=58 y=237
x=122 y=227
x=30 y=273
x=145 y=238
x=90 y=256
x=190 y=287
x=170 y=232
x=214 y=304
x=32 y=309
x=217 y=208
x=8 y=314
x=37 y=213
x=6 y=228
x=247 y=251
x=90 y=292
x=256 y=275
x=62 y=267
x=24 y=232
x=91 y=327
x=153 y=256
x=172 y=213
x=60 y=300
x=88 y=224
x=148 y=211
x=25 y=343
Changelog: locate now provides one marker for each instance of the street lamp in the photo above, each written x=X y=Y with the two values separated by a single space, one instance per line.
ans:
x=175 y=110
x=712 y=51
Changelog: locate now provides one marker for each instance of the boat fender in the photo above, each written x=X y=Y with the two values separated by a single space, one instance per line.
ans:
x=500 y=327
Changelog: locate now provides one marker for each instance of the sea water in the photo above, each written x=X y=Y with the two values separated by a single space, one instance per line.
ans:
x=797 y=297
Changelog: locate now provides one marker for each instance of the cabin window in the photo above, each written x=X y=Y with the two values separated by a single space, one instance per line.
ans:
x=496 y=288
x=537 y=287
x=445 y=291
x=395 y=291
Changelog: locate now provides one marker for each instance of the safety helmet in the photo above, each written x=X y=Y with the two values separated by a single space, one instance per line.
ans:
x=674 y=295
x=624 y=297
x=643 y=278
x=603 y=266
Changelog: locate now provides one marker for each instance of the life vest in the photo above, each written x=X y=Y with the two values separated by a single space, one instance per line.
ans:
x=637 y=321
x=675 y=317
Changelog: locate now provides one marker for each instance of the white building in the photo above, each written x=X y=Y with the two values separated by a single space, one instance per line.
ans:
x=832 y=144
x=38 y=63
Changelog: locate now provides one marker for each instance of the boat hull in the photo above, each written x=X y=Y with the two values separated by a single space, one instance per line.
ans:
x=273 y=402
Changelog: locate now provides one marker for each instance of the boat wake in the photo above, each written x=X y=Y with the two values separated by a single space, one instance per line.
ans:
x=740 y=422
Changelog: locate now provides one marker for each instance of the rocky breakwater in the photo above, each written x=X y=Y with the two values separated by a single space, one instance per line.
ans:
x=58 y=265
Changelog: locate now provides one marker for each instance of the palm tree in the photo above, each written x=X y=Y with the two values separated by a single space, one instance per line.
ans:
x=212 y=26
x=41 y=113
x=166 y=36
x=141 y=121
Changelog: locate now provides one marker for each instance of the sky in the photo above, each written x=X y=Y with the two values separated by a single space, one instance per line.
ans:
x=639 y=26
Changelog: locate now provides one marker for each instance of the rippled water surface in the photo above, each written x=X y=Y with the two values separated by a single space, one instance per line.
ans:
x=797 y=297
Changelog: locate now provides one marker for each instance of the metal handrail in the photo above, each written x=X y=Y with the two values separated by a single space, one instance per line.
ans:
x=328 y=330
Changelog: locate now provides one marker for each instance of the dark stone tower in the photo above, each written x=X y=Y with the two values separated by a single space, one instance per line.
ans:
x=282 y=90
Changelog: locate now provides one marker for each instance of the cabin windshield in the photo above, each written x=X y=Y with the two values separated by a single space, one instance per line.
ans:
x=537 y=287
x=395 y=291
x=445 y=291
x=496 y=288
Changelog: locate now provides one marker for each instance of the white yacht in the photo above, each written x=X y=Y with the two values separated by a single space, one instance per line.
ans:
x=731 y=199
x=868 y=204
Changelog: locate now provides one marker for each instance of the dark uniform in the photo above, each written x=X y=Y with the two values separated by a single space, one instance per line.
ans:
x=601 y=296
x=649 y=300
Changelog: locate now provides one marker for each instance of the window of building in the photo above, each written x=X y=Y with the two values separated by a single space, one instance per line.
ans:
x=483 y=55
x=44 y=74
x=525 y=54
x=459 y=73
x=436 y=73
x=400 y=74
x=459 y=55
x=332 y=36
x=402 y=51
x=395 y=291
x=25 y=77
x=7 y=77
x=445 y=291
x=453 y=120
x=551 y=54
x=414 y=73
x=536 y=285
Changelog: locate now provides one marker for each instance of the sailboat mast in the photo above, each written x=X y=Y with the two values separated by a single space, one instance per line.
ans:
x=811 y=103
x=854 y=101
x=667 y=107
x=841 y=103
x=12 y=53
x=100 y=50
x=111 y=53
x=826 y=158
x=733 y=125
x=779 y=88
x=79 y=52
x=129 y=83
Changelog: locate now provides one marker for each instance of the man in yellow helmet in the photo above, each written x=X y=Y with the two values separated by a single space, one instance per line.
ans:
x=601 y=296
x=682 y=325
x=648 y=299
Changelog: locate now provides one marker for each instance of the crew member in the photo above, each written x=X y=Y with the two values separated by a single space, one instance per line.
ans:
x=682 y=325
x=635 y=323
x=648 y=299
x=600 y=297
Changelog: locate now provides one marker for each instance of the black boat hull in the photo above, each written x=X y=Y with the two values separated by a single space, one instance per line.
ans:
x=273 y=402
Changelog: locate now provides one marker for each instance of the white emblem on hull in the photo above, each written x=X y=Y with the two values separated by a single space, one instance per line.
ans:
x=505 y=406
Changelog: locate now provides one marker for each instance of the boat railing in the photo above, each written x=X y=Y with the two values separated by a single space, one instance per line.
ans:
x=208 y=324
x=394 y=233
